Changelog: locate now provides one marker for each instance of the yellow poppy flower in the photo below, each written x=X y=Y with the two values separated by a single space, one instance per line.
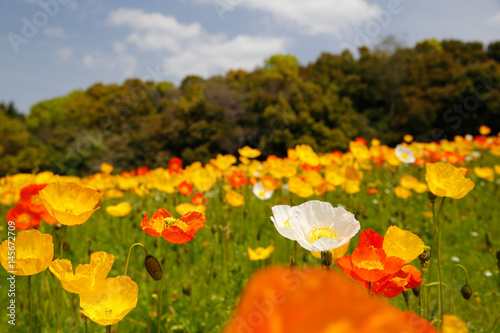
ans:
x=203 y=179
x=119 y=210
x=299 y=187
x=86 y=277
x=484 y=130
x=260 y=253
x=402 y=192
x=445 y=180
x=32 y=253
x=249 y=152
x=106 y=168
x=111 y=302
x=420 y=188
x=408 y=182
x=234 y=198
x=485 y=173
x=113 y=194
x=307 y=155
x=223 y=162
x=408 y=138
x=453 y=324
x=69 y=203
x=402 y=244
x=187 y=207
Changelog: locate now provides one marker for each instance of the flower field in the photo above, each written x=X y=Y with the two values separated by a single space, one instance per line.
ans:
x=378 y=239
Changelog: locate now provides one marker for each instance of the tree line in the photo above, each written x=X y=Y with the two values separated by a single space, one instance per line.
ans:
x=433 y=91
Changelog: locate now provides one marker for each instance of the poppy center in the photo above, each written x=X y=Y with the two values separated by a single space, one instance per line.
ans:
x=170 y=222
x=370 y=264
x=318 y=232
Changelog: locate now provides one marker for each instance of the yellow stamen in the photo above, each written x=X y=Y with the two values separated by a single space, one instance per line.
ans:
x=287 y=222
x=318 y=232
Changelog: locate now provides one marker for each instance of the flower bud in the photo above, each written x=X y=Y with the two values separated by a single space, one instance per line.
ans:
x=326 y=258
x=153 y=267
x=489 y=245
x=416 y=291
x=466 y=291
x=432 y=197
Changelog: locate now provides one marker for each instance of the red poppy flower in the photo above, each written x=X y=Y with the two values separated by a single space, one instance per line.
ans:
x=23 y=217
x=308 y=167
x=199 y=199
x=175 y=165
x=369 y=262
x=361 y=140
x=30 y=198
x=408 y=277
x=178 y=231
x=143 y=170
x=185 y=188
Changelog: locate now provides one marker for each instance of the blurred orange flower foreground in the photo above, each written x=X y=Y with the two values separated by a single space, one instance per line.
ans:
x=281 y=300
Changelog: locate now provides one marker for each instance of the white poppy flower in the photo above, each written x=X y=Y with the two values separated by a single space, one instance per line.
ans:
x=260 y=192
x=321 y=227
x=281 y=219
x=404 y=154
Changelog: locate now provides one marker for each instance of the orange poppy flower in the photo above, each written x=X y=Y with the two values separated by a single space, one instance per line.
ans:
x=185 y=188
x=23 y=217
x=237 y=179
x=178 y=231
x=269 y=183
x=281 y=300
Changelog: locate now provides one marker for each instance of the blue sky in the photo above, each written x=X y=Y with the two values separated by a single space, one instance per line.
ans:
x=51 y=47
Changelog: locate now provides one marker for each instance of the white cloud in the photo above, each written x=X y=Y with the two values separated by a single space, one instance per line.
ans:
x=311 y=17
x=217 y=57
x=120 y=60
x=55 y=32
x=64 y=54
x=191 y=49
x=495 y=19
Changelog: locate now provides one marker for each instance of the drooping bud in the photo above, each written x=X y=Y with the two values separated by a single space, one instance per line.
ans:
x=153 y=267
x=466 y=291
x=416 y=291
x=432 y=197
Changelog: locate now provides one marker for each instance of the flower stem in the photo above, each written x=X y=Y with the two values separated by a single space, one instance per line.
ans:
x=31 y=303
x=108 y=329
x=130 y=251
x=164 y=268
x=438 y=255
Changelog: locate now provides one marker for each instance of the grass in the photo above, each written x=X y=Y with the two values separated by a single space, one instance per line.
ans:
x=205 y=277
